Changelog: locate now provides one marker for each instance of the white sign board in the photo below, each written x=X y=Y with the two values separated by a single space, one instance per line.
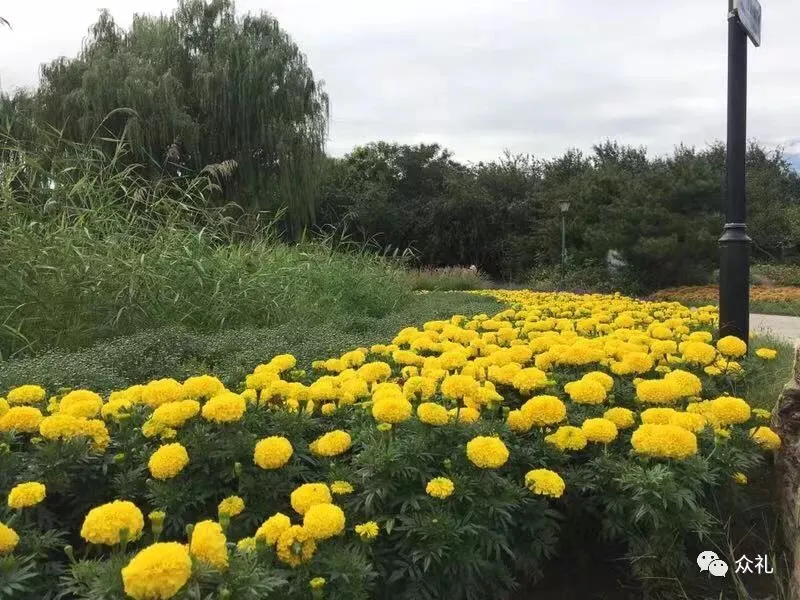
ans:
x=749 y=13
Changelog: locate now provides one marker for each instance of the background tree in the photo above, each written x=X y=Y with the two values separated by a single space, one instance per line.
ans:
x=222 y=87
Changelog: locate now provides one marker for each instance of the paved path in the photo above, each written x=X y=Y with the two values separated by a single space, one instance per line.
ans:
x=781 y=326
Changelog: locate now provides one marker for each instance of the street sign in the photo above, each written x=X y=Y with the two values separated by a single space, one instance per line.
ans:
x=749 y=12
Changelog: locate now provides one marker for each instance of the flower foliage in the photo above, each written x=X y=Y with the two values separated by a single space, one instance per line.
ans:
x=447 y=462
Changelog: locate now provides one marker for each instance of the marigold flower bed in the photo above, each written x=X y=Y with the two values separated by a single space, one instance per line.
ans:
x=454 y=461
x=696 y=294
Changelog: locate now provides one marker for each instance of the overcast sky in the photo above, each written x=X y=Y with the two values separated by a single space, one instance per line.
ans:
x=480 y=76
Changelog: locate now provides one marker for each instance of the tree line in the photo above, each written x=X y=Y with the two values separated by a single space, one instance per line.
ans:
x=205 y=89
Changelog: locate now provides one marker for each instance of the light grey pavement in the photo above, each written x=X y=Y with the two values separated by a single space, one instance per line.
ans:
x=778 y=325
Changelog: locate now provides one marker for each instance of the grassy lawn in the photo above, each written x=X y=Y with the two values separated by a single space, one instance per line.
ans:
x=232 y=353
x=775 y=308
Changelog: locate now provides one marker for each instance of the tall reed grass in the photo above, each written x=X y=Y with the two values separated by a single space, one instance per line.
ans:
x=90 y=249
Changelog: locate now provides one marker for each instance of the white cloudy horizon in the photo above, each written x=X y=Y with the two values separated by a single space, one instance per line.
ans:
x=481 y=76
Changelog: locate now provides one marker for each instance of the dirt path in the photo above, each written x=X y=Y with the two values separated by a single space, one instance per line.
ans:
x=778 y=325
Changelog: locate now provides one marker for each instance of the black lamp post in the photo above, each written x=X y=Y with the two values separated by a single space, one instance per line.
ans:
x=744 y=18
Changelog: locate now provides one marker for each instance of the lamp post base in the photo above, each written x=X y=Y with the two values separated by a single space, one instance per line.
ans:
x=734 y=281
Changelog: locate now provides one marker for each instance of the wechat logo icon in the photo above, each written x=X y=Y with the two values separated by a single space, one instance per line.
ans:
x=709 y=561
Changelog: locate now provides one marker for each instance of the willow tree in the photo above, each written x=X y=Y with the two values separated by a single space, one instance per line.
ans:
x=200 y=86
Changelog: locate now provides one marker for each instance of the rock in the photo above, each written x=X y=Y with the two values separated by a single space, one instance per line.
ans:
x=786 y=423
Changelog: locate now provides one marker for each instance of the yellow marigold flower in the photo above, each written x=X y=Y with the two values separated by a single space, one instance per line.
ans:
x=328 y=409
x=231 y=506
x=114 y=409
x=367 y=531
x=374 y=371
x=209 y=545
x=658 y=391
x=332 y=443
x=323 y=521
x=694 y=422
x=272 y=452
x=66 y=427
x=459 y=387
x=4 y=407
x=567 y=437
x=419 y=388
x=309 y=494
x=603 y=379
x=545 y=482
x=766 y=353
x=161 y=391
x=8 y=539
x=688 y=384
x=432 y=413
x=739 y=478
x=341 y=488
x=25 y=495
x=732 y=346
x=26 y=394
x=621 y=417
x=765 y=437
x=664 y=441
x=599 y=430
x=283 y=362
x=701 y=336
x=175 y=414
x=487 y=452
x=465 y=414
x=544 y=410
x=225 y=407
x=391 y=409
x=440 y=487
x=81 y=403
x=761 y=413
x=657 y=416
x=727 y=410
x=530 y=379
x=272 y=528
x=519 y=421
x=317 y=583
x=585 y=391
x=295 y=546
x=699 y=352
x=712 y=371
x=637 y=362
x=158 y=572
x=202 y=387
x=24 y=419
x=106 y=524
x=168 y=461
x=246 y=545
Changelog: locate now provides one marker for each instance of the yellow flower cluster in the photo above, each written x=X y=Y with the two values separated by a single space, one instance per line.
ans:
x=487 y=452
x=26 y=495
x=323 y=521
x=331 y=444
x=664 y=441
x=440 y=487
x=209 y=545
x=272 y=452
x=158 y=572
x=112 y=523
x=545 y=482
x=168 y=461
x=231 y=506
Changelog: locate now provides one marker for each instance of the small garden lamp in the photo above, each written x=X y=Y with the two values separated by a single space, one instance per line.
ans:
x=564 y=206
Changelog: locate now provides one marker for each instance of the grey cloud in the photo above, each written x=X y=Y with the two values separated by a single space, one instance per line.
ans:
x=479 y=76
